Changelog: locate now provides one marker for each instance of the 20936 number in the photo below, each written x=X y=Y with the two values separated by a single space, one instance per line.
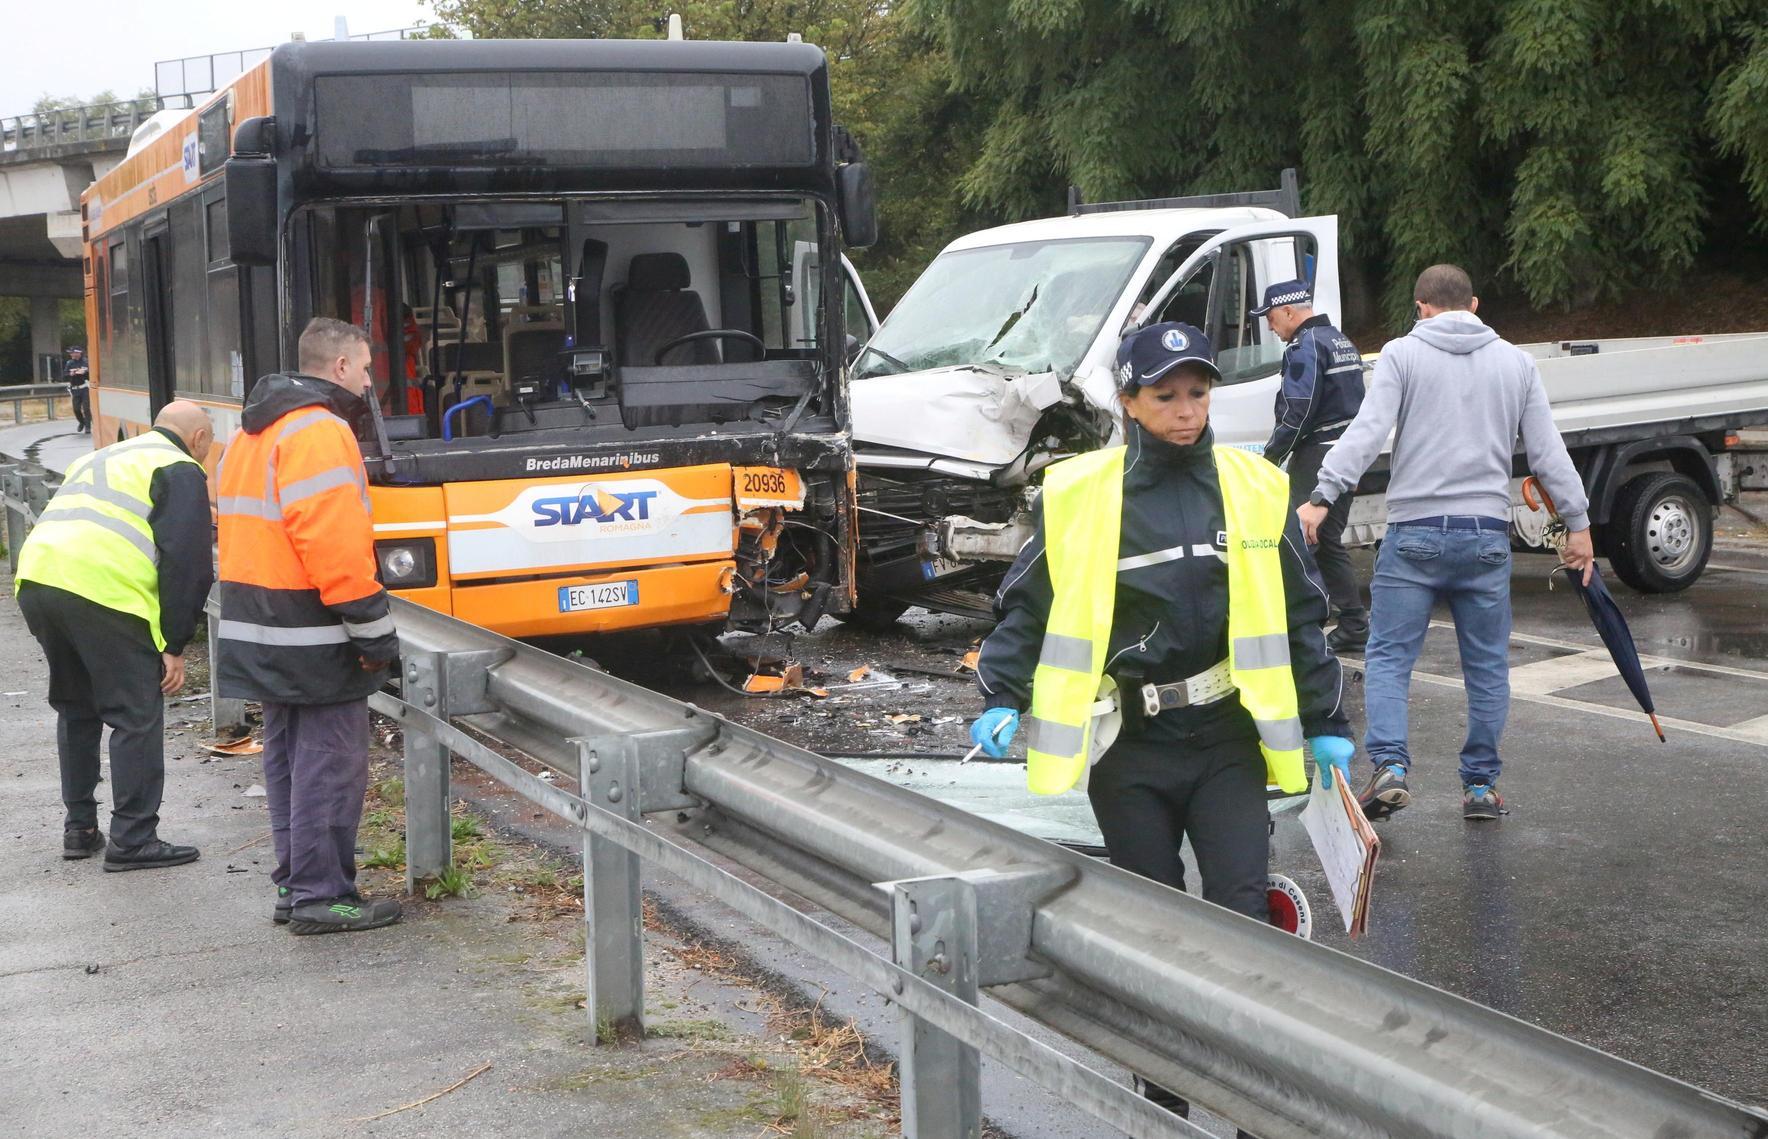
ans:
x=765 y=482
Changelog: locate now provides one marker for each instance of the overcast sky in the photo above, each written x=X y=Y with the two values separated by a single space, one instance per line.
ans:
x=113 y=44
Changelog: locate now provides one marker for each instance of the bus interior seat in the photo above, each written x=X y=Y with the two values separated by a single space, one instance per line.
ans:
x=656 y=306
x=528 y=347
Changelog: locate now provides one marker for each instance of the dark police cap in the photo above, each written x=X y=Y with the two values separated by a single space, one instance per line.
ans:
x=1285 y=293
x=1152 y=352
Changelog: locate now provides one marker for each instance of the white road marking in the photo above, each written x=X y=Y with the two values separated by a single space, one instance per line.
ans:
x=1647 y=661
x=1545 y=677
x=1749 y=732
x=1737 y=569
x=1756 y=728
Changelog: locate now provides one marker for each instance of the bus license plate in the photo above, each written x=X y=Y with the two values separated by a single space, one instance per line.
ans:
x=606 y=595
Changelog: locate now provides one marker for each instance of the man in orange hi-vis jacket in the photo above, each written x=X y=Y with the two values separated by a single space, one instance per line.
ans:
x=305 y=626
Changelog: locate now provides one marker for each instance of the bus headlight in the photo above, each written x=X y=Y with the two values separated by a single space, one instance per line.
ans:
x=409 y=563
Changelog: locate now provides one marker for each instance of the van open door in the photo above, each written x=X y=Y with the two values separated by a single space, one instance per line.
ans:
x=1214 y=289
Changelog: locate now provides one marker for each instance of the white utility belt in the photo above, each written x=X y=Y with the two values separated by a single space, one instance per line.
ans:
x=1207 y=687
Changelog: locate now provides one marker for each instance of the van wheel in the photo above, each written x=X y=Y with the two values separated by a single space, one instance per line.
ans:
x=1660 y=533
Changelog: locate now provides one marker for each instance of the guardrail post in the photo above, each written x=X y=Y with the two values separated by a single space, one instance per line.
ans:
x=429 y=838
x=37 y=495
x=933 y=935
x=13 y=484
x=49 y=407
x=609 y=777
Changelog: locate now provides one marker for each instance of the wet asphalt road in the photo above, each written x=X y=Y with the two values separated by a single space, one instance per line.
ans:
x=1624 y=900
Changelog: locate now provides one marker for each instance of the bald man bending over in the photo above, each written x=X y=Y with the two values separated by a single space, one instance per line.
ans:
x=112 y=583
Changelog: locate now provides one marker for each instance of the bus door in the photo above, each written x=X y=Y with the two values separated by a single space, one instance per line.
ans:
x=156 y=274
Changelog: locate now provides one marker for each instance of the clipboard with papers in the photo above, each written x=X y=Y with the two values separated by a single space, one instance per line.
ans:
x=1348 y=848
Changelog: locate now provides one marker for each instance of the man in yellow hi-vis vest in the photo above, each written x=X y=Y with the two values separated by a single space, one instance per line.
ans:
x=1174 y=568
x=112 y=581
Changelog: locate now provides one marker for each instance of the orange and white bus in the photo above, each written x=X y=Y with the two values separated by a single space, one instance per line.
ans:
x=604 y=287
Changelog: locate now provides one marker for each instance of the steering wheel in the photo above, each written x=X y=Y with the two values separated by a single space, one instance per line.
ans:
x=749 y=338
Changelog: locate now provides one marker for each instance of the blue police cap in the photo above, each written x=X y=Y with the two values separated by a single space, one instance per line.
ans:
x=1285 y=293
x=1148 y=354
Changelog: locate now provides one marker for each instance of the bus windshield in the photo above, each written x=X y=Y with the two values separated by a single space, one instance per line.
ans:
x=578 y=314
x=1025 y=307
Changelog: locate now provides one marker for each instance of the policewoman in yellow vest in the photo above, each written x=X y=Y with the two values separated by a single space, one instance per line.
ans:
x=1171 y=570
x=112 y=581
x=1174 y=568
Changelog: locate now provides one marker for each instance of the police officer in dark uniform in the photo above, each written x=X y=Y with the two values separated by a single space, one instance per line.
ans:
x=76 y=372
x=1195 y=768
x=1321 y=393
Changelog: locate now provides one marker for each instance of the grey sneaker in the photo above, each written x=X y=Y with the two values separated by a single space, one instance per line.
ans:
x=348 y=914
x=285 y=903
x=1385 y=793
x=1481 y=801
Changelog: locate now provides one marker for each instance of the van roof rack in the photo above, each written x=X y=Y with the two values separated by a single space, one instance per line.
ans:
x=1285 y=199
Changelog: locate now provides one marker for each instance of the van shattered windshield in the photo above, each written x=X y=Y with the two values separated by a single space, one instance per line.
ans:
x=1027 y=307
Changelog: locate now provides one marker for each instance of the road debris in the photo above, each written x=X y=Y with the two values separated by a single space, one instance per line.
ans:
x=474 y=1074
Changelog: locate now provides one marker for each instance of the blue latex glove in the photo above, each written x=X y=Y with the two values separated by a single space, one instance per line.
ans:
x=1332 y=752
x=994 y=730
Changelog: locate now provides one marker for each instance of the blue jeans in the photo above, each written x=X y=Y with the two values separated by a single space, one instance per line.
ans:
x=1470 y=569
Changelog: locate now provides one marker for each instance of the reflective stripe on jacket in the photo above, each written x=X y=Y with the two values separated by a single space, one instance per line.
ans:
x=1082 y=512
x=301 y=608
x=94 y=538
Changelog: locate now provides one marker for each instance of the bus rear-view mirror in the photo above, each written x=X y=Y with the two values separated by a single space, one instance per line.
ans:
x=859 y=208
x=251 y=210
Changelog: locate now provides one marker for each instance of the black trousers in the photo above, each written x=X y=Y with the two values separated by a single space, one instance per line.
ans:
x=1152 y=791
x=103 y=669
x=1330 y=554
x=81 y=398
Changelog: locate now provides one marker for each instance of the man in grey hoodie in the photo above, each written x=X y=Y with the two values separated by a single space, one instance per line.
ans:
x=1456 y=396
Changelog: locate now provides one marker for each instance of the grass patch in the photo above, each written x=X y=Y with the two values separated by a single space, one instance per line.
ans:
x=386 y=857
x=391 y=791
x=467 y=827
x=451 y=883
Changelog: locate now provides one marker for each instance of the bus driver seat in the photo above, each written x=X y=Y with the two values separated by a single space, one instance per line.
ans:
x=656 y=306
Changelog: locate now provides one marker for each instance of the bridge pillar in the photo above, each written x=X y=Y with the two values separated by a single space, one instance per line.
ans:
x=45 y=335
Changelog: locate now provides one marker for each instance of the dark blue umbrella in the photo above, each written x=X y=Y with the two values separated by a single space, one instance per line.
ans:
x=1611 y=624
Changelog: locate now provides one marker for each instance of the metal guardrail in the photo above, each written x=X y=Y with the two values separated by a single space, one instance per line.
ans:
x=18 y=395
x=97 y=122
x=1287 y=1038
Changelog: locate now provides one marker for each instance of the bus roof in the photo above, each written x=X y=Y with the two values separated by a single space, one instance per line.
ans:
x=405 y=56
x=168 y=165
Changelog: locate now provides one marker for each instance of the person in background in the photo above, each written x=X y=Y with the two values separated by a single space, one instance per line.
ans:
x=1456 y=396
x=1211 y=636
x=306 y=628
x=112 y=582
x=1321 y=393
x=76 y=371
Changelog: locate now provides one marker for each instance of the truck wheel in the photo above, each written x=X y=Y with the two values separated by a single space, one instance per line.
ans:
x=1660 y=533
x=874 y=614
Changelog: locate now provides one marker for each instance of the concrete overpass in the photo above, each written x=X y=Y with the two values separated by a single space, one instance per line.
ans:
x=46 y=161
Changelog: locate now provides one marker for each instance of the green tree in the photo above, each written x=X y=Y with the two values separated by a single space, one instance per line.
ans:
x=1568 y=148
